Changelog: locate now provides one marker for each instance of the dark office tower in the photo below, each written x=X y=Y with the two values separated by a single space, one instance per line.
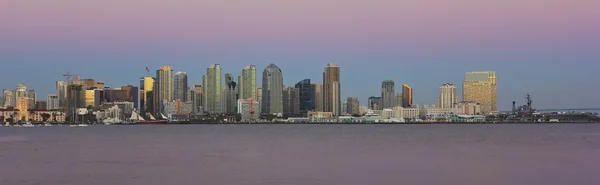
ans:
x=291 y=104
x=388 y=95
x=306 y=96
x=230 y=95
x=272 y=89
x=75 y=100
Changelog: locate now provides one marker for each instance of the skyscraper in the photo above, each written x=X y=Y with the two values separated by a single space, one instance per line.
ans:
x=480 y=87
x=181 y=86
x=75 y=100
x=407 y=95
x=52 y=102
x=272 y=86
x=291 y=101
x=146 y=85
x=21 y=91
x=32 y=98
x=198 y=98
x=230 y=95
x=306 y=96
x=332 y=89
x=399 y=99
x=9 y=98
x=211 y=83
x=353 y=106
x=448 y=96
x=61 y=92
x=164 y=81
x=388 y=95
x=247 y=82
x=318 y=96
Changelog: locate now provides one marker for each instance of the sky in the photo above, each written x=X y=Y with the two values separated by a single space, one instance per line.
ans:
x=549 y=48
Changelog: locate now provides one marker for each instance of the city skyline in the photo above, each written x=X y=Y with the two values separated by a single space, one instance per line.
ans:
x=423 y=44
x=363 y=100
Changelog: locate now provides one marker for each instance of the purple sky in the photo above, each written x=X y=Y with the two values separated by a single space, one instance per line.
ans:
x=547 y=47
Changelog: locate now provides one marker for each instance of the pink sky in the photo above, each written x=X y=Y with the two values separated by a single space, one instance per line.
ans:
x=297 y=20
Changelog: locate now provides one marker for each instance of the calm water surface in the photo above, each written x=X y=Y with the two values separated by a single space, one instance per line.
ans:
x=302 y=155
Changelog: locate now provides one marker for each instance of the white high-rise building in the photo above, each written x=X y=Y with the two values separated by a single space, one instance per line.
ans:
x=52 y=102
x=9 y=98
x=61 y=92
x=448 y=96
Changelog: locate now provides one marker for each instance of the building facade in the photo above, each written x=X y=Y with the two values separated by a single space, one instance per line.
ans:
x=480 y=87
x=146 y=85
x=230 y=94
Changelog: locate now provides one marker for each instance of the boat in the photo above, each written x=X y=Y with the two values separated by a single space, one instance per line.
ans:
x=153 y=122
x=28 y=125
x=82 y=125
x=73 y=125
x=7 y=124
x=48 y=124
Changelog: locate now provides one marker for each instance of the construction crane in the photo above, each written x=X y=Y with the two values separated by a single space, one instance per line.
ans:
x=68 y=77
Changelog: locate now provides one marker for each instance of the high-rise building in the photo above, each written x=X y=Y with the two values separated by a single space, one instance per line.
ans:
x=52 y=102
x=448 y=96
x=75 y=100
x=165 y=84
x=272 y=86
x=211 y=83
x=146 y=85
x=291 y=101
x=190 y=95
x=181 y=86
x=306 y=96
x=198 y=98
x=388 y=95
x=332 y=89
x=407 y=96
x=247 y=82
x=480 y=87
x=353 y=106
x=90 y=98
x=32 y=98
x=375 y=103
x=61 y=92
x=21 y=91
x=399 y=101
x=230 y=95
x=131 y=94
x=9 y=98
x=318 y=100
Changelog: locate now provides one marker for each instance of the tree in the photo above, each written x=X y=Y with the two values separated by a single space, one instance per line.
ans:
x=238 y=117
x=45 y=117
x=10 y=120
x=23 y=118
